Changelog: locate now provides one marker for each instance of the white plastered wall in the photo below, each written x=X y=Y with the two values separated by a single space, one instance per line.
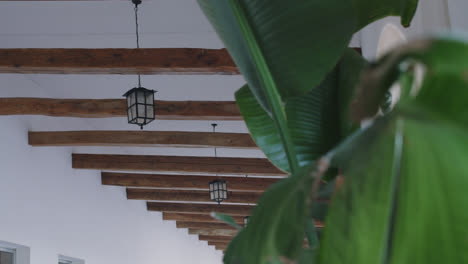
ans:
x=432 y=17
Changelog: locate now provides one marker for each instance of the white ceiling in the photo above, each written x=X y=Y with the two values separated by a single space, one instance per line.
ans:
x=89 y=24
x=103 y=24
x=110 y=24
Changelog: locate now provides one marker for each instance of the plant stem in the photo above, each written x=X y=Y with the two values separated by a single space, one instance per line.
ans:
x=269 y=85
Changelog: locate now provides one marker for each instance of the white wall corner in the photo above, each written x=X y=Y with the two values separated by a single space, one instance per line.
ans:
x=22 y=253
x=458 y=18
x=432 y=17
x=70 y=260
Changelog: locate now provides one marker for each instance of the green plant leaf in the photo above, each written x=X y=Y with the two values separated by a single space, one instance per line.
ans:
x=300 y=41
x=287 y=33
x=420 y=220
x=261 y=128
x=315 y=121
x=437 y=94
x=358 y=160
x=307 y=256
x=312 y=122
x=277 y=225
x=226 y=219
x=319 y=208
x=222 y=18
x=264 y=36
x=311 y=233
x=273 y=99
x=369 y=11
x=404 y=199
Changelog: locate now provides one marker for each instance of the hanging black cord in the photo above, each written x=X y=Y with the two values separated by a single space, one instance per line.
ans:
x=136 y=25
x=137 y=2
x=214 y=131
x=215 y=154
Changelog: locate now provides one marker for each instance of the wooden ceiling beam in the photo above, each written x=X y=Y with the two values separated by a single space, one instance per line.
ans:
x=104 y=108
x=225 y=244
x=179 y=164
x=239 y=210
x=203 y=225
x=254 y=184
x=217 y=243
x=117 y=61
x=205 y=218
x=215 y=238
x=183 y=217
x=221 y=248
x=189 y=195
x=142 y=139
x=212 y=232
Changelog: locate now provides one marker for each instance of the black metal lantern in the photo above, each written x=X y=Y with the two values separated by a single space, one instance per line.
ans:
x=140 y=106
x=246 y=220
x=218 y=191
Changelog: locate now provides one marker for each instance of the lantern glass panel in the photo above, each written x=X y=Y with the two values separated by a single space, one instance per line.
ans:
x=141 y=110
x=131 y=100
x=150 y=98
x=150 y=111
x=140 y=96
x=133 y=112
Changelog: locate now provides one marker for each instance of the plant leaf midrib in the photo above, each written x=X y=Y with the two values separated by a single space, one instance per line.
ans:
x=393 y=208
x=269 y=85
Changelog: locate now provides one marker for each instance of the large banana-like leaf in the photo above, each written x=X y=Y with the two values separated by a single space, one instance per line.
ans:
x=286 y=48
x=437 y=93
x=276 y=227
x=404 y=199
x=284 y=216
x=368 y=11
x=315 y=122
x=261 y=128
x=300 y=41
x=307 y=256
x=312 y=134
